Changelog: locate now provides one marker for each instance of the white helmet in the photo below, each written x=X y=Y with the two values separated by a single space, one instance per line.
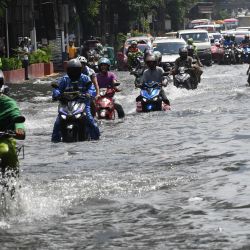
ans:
x=82 y=59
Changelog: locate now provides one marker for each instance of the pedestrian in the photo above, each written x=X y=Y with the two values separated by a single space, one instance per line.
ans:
x=71 y=50
x=23 y=51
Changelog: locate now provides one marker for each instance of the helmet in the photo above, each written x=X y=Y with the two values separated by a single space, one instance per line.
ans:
x=133 y=43
x=151 y=58
x=99 y=46
x=74 y=68
x=82 y=59
x=104 y=60
x=217 y=42
x=158 y=56
x=190 y=41
x=183 y=52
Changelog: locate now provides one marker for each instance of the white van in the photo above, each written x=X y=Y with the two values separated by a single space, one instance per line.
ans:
x=202 y=42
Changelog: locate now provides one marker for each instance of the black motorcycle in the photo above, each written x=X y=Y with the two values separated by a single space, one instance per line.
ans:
x=227 y=58
x=72 y=115
x=184 y=80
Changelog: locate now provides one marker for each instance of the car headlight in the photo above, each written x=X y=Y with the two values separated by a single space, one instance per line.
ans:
x=77 y=116
x=63 y=117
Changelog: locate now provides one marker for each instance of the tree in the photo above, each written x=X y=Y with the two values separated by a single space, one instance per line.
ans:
x=88 y=11
x=177 y=10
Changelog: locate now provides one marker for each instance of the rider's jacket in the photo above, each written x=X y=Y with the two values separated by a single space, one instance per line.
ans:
x=66 y=85
x=8 y=111
x=187 y=63
x=245 y=42
x=229 y=43
x=155 y=75
x=132 y=50
x=104 y=80
x=89 y=72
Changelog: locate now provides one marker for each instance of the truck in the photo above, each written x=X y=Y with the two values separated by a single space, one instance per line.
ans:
x=244 y=21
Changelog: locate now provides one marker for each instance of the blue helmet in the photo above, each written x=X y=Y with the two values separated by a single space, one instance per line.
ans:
x=104 y=60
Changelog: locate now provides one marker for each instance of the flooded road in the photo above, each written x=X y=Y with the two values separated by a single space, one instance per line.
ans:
x=174 y=180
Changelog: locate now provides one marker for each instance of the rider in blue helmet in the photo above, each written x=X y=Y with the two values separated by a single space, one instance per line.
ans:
x=105 y=79
x=74 y=79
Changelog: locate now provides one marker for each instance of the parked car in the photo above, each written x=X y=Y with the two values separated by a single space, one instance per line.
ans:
x=144 y=42
x=202 y=42
x=169 y=48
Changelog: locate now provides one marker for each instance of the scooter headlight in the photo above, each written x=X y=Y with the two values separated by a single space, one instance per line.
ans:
x=144 y=99
x=155 y=98
x=77 y=116
x=63 y=117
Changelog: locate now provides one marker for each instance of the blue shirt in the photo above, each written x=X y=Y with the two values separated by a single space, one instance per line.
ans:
x=66 y=85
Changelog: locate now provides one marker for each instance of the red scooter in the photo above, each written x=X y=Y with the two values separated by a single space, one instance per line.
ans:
x=104 y=105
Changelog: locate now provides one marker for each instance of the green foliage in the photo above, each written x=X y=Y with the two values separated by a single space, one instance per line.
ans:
x=40 y=56
x=11 y=63
x=223 y=14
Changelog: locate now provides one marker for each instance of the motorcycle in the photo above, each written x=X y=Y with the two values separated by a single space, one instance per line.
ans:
x=150 y=99
x=72 y=115
x=183 y=79
x=105 y=106
x=238 y=51
x=227 y=58
x=9 y=152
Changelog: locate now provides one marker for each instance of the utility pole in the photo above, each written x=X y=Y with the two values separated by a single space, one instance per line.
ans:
x=7 y=34
x=33 y=32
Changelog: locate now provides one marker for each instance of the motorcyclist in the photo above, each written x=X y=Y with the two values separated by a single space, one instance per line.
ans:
x=196 y=62
x=229 y=43
x=9 y=111
x=132 y=53
x=106 y=79
x=94 y=89
x=190 y=41
x=185 y=61
x=154 y=73
x=74 y=80
x=246 y=41
x=91 y=73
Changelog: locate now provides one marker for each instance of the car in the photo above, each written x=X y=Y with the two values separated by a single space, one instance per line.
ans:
x=215 y=36
x=169 y=48
x=143 y=43
x=202 y=42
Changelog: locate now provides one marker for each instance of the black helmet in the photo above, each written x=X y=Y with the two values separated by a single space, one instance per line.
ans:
x=74 y=68
x=183 y=52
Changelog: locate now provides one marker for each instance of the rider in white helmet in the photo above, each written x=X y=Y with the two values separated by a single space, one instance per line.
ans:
x=91 y=73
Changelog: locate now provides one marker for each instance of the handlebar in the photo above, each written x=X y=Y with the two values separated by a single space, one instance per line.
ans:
x=7 y=134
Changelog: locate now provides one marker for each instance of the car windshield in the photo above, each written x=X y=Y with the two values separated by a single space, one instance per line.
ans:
x=197 y=37
x=215 y=36
x=168 y=48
